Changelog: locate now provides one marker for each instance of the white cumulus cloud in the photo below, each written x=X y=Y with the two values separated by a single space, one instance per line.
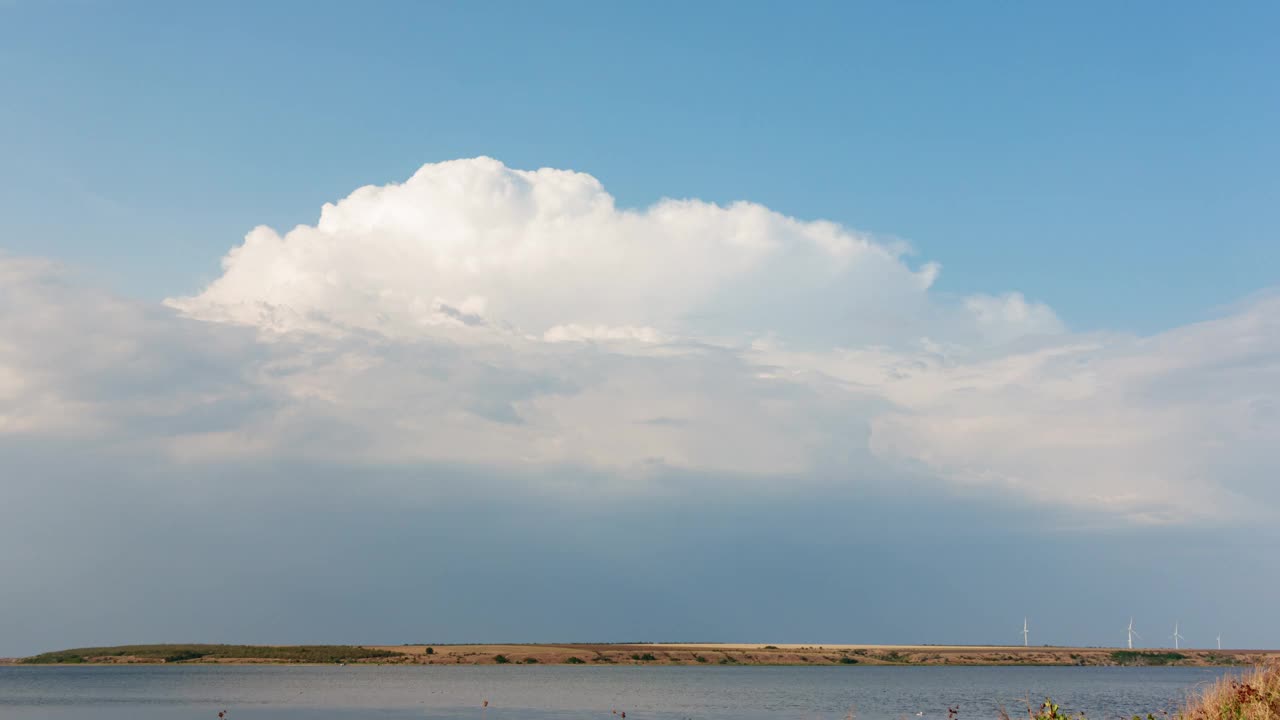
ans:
x=548 y=253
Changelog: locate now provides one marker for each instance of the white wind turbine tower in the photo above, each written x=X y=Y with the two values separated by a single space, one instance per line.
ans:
x=1176 y=635
x=1132 y=634
x=1024 y=632
x=1219 y=641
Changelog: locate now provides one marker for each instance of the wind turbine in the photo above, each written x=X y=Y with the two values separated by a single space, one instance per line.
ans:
x=1132 y=634
x=1176 y=635
x=1219 y=641
x=1024 y=632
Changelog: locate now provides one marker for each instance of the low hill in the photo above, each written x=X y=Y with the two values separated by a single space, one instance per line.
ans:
x=651 y=654
x=210 y=653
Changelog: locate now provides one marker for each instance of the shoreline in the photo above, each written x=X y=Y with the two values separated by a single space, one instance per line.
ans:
x=650 y=654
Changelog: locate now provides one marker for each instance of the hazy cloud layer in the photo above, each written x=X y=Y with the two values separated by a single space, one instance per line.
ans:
x=484 y=317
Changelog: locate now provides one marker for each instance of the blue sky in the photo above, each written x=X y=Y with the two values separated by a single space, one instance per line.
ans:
x=1116 y=162
x=1084 y=396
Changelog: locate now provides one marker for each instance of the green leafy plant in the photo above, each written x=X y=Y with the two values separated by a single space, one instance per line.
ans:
x=1049 y=710
x=501 y=659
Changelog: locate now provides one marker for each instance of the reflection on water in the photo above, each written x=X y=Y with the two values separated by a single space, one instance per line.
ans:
x=715 y=693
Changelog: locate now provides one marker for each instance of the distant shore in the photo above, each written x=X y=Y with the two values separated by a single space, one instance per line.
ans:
x=647 y=654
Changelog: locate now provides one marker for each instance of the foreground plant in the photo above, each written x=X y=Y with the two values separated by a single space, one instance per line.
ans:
x=1254 y=696
x=1049 y=710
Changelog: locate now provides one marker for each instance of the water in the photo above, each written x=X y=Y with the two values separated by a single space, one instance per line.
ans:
x=272 y=692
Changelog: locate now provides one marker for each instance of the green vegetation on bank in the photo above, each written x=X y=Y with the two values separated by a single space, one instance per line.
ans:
x=188 y=653
x=1134 y=657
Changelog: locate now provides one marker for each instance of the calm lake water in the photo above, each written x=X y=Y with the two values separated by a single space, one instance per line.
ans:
x=715 y=693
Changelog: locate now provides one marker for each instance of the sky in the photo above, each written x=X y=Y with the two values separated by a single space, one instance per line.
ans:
x=444 y=322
